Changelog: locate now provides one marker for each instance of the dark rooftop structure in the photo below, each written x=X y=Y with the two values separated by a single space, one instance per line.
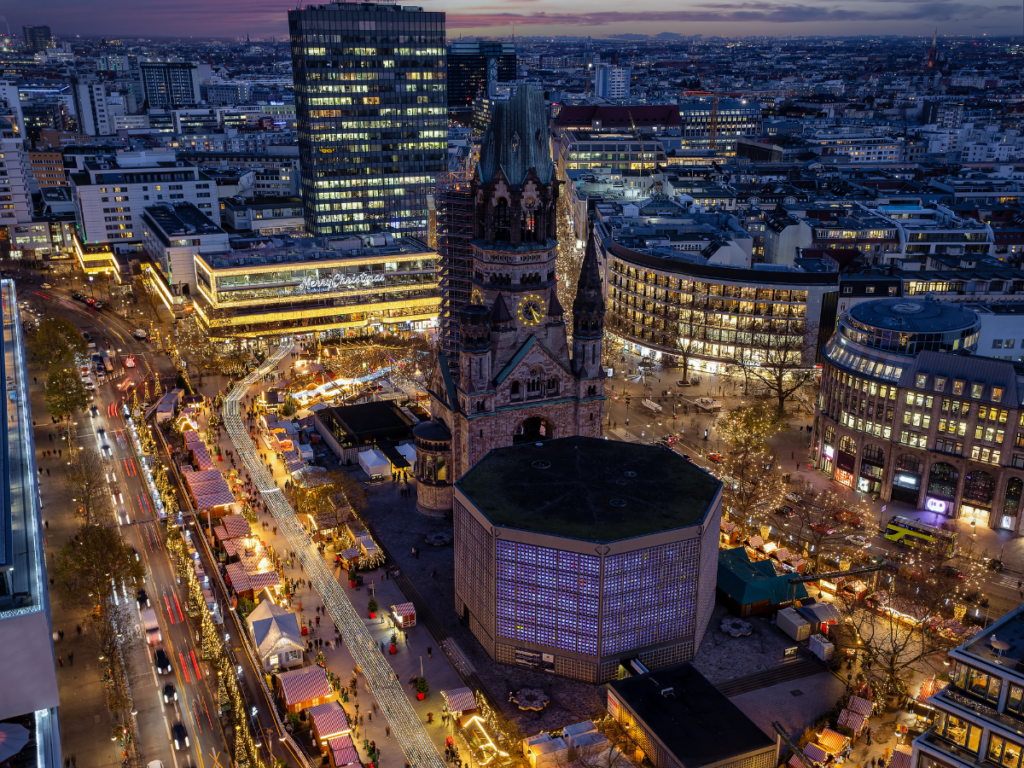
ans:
x=181 y=220
x=373 y=424
x=643 y=116
x=689 y=718
x=913 y=315
x=517 y=139
x=590 y=489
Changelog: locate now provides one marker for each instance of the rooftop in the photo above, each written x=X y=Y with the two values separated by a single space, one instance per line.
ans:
x=921 y=316
x=590 y=489
x=263 y=250
x=1008 y=630
x=693 y=719
x=181 y=219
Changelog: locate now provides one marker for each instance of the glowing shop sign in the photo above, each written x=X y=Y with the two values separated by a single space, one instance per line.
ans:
x=336 y=282
x=936 y=505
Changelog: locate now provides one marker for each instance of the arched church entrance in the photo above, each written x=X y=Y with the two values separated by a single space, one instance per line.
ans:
x=532 y=430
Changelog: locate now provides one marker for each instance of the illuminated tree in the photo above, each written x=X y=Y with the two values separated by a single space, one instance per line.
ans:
x=781 y=358
x=196 y=601
x=84 y=482
x=748 y=428
x=212 y=645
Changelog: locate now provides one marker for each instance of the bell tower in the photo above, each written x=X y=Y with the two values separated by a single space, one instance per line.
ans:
x=588 y=317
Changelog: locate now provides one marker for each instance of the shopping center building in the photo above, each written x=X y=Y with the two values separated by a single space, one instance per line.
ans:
x=343 y=286
x=908 y=412
x=574 y=556
x=663 y=300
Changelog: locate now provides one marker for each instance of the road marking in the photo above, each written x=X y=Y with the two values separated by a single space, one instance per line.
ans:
x=176 y=603
x=184 y=667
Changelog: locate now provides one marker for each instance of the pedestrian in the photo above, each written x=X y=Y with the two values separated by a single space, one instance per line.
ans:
x=78 y=629
x=61 y=633
x=71 y=658
x=73 y=762
x=387 y=731
x=47 y=524
x=429 y=651
x=370 y=715
x=60 y=660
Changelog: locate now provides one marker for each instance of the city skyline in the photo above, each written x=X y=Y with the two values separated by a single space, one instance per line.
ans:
x=603 y=18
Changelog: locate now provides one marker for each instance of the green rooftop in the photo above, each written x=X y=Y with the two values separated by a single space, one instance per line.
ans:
x=590 y=489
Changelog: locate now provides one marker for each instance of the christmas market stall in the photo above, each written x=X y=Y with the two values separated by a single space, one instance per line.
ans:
x=342 y=752
x=329 y=721
x=304 y=688
x=813 y=753
x=276 y=636
x=459 y=701
x=405 y=616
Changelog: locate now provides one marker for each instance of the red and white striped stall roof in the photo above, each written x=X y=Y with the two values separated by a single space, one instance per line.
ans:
x=260 y=581
x=329 y=719
x=852 y=720
x=831 y=741
x=239 y=579
x=901 y=757
x=404 y=609
x=304 y=684
x=236 y=525
x=344 y=752
x=860 y=706
x=459 y=699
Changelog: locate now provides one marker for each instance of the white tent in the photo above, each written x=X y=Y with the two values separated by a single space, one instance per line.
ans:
x=374 y=463
x=409 y=451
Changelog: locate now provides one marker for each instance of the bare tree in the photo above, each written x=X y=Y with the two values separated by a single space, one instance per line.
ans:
x=84 y=481
x=753 y=488
x=782 y=358
x=910 y=621
x=819 y=528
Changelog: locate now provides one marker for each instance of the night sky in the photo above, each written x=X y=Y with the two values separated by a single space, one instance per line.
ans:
x=599 y=18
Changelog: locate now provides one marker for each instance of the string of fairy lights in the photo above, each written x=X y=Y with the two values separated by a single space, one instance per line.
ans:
x=380 y=676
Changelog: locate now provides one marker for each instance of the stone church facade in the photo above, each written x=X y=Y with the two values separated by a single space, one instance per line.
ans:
x=516 y=379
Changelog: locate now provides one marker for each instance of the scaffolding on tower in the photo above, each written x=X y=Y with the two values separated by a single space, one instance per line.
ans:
x=455 y=211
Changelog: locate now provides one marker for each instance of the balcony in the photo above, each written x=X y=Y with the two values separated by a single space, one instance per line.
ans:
x=948 y=694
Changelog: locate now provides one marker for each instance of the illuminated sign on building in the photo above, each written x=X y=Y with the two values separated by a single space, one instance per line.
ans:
x=338 y=281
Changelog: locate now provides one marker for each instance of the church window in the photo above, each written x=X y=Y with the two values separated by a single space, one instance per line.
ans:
x=502 y=227
x=553 y=384
x=515 y=391
x=442 y=467
x=533 y=388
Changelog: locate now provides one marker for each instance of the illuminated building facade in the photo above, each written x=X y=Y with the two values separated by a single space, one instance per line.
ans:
x=348 y=287
x=577 y=554
x=906 y=411
x=371 y=105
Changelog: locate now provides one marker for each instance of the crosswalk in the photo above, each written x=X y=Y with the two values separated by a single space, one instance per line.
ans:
x=419 y=749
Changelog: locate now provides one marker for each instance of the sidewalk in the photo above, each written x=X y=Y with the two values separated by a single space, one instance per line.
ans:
x=86 y=724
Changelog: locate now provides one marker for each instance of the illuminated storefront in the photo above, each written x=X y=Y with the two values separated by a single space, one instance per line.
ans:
x=347 y=287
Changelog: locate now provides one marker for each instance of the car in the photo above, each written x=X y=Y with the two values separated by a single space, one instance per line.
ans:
x=138 y=333
x=716 y=457
x=180 y=736
x=47 y=285
x=948 y=571
x=163 y=664
x=859 y=541
x=784 y=511
x=849 y=517
x=91 y=301
x=142 y=598
x=687 y=457
x=170 y=693
x=78 y=297
x=823 y=528
x=86 y=336
x=794 y=498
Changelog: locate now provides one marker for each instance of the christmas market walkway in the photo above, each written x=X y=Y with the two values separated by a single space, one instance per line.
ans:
x=382 y=680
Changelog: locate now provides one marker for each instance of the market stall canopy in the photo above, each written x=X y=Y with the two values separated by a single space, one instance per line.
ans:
x=860 y=706
x=393 y=455
x=236 y=526
x=459 y=699
x=329 y=720
x=831 y=741
x=812 y=752
x=900 y=757
x=274 y=629
x=13 y=738
x=343 y=752
x=304 y=684
x=852 y=720
x=239 y=579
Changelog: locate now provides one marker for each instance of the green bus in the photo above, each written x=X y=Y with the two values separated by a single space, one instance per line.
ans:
x=912 y=533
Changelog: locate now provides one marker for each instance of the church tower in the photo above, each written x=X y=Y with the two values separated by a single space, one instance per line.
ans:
x=516 y=380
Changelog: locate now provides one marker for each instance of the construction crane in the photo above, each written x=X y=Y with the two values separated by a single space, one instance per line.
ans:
x=713 y=129
x=831 y=576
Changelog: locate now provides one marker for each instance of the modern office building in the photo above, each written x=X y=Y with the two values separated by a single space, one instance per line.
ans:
x=583 y=150
x=111 y=192
x=907 y=411
x=91 y=110
x=38 y=37
x=48 y=168
x=28 y=678
x=612 y=82
x=559 y=543
x=346 y=286
x=979 y=718
x=470 y=63
x=734 y=118
x=371 y=105
x=169 y=83
x=16 y=170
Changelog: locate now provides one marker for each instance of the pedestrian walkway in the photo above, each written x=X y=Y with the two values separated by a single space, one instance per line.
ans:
x=381 y=677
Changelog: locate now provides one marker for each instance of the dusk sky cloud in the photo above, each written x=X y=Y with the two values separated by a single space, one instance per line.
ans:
x=600 y=18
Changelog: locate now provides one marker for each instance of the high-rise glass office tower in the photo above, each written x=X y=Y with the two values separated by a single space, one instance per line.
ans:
x=371 y=103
